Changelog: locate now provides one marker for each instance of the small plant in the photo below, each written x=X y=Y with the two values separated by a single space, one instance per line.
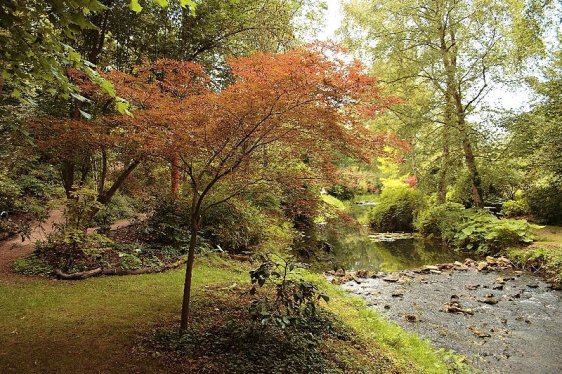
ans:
x=32 y=265
x=295 y=299
x=515 y=208
x=341 y=192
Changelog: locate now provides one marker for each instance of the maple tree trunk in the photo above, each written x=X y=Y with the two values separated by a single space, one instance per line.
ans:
x=188 y=275
x=175 y=168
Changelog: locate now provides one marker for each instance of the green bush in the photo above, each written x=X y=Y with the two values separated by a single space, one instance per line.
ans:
x=240 y=226
x=168 y=222
x=488 y=234
x=32 y=265
x=441 y=221
x=543 y=258
x=515 y=208
x=120 y=207
x=341 y=192
x=545 y=204
x=397 y=209
x=473 y=229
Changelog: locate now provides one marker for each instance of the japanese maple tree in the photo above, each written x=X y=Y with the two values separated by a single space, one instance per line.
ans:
x=307 y=104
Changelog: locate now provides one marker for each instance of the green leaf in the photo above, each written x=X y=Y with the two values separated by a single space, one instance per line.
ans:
x=73 y=55
x=162 y=3
x=135 y=6
x=189 y=3
x=87 y=116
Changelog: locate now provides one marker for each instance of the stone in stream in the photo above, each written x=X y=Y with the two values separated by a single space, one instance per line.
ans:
x=391 y=278
x=455 y=307
x=533 y=285
x=472 y=287
x=479 y=333
x=411 y=318
x=482 y=265
x=489 y=299
x=430 y=267
x=363 y=274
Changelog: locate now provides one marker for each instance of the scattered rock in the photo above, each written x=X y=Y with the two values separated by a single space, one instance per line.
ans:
x=488 y=299
x=398 y=293
x=446 y=266
x=391 y=278
x=498 y=287
x=479 y=333
x=387 y=307
x=430 y=267
x=363 y=274
x=472 y=287
x=533 y=285
x=455 y=307
x=411 y=318
x=500 y=280
x=482 y=265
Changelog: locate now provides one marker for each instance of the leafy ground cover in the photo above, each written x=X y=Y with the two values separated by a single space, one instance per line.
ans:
x=97 y=324
x=544 y=256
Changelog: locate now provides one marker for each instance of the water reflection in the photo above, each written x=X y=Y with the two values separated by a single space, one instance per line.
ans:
x=350 y=248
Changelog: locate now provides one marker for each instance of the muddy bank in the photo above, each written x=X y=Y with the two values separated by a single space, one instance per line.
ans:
x=504 y=321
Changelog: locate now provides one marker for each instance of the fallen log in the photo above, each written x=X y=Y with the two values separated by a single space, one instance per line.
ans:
x=100 y=271
x=79 y=275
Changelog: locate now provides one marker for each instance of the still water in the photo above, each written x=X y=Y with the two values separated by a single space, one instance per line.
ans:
x=352 y=248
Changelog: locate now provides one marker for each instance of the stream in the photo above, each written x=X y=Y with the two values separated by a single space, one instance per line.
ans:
x=502 y=320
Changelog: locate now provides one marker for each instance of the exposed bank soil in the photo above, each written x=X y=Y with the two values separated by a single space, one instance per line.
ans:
x=504 y=321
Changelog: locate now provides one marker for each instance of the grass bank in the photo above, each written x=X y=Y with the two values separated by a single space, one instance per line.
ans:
x=94 y=325
x=543 y=256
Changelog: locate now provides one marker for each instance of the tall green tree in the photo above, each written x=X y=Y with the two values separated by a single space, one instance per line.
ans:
x=454 y=50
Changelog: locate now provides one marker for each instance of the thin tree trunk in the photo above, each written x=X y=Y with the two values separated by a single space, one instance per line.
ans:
x=67 y=172
x=442 y=192
x=175 y=168
x=475 y=181
x=185 y=312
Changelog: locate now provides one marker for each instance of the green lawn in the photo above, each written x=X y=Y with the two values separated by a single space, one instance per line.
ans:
x=93 y=325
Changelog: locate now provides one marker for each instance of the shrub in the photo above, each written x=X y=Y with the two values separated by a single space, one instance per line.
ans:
x=543 y=258
x=545 y=204
x=120 y=207
x=241 y=226
x=473 y=229
x=32 y=265
x=168 y=223
x=295 y=299
x=441 y=221
x=488 y=234
x=396 y=210
x=515 y=208
x=341 y=192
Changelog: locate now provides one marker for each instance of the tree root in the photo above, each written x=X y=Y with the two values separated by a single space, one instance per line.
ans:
x=100 y=271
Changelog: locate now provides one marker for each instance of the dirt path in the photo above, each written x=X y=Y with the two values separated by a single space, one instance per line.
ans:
x=14 y=248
